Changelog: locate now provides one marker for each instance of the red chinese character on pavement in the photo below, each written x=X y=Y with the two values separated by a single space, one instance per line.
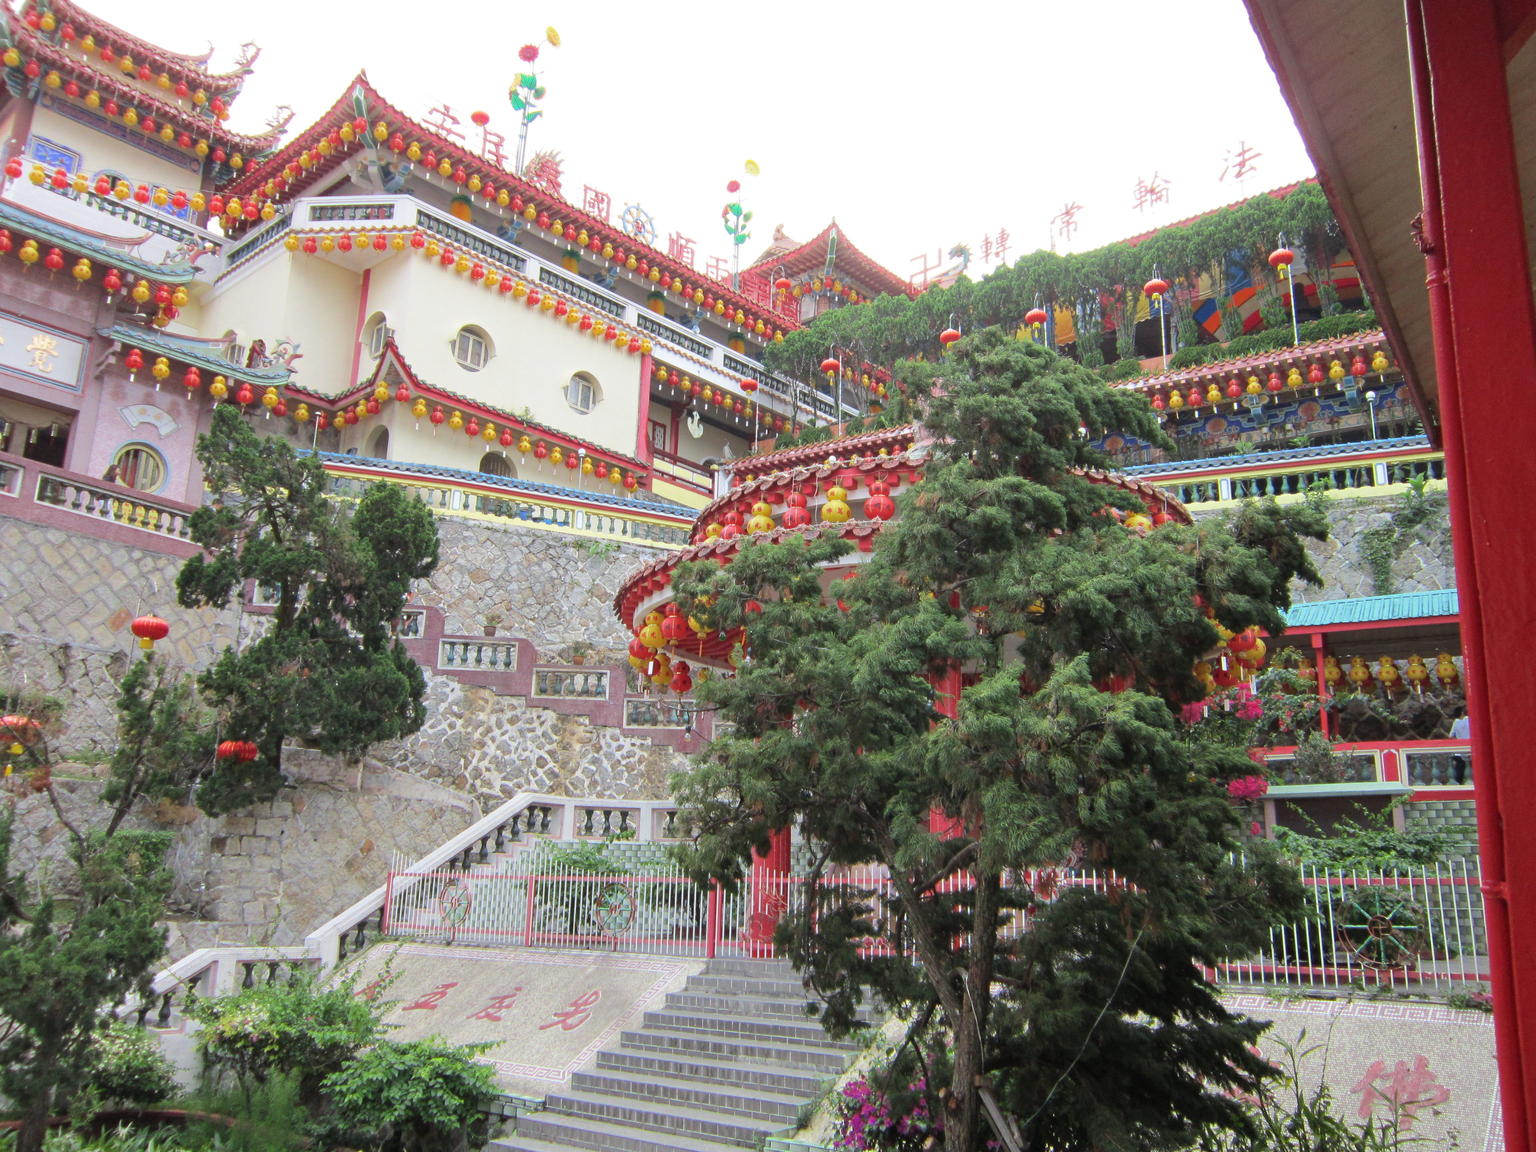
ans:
x=680 y=247
x=497 y=1006
x=432 y=999
x=372 y=990
x=1403 y=1090
x=718 y=269
x=576 y=1014
x=599 y=204
x=444 y=122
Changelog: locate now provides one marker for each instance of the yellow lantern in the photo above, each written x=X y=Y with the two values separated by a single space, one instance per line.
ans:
x=836 y=510
x=121 y=190
x=445 y=167
x=586 y=465
x=573 y=317
x=162 y=368
x=524 y=444
x=179 y=297
x=530 y=213
x=615 y=477
x=87 y=43
x=663 y=673
x=269 y=398
x=82 y=270
x=198 y=202
x=301 y=413
x=520 y=289
x=599 y=327
x=28 y=253
x=1379 y=362
x=650 y=632
x=1293 y=377
x=1336 y=372
x=607 y=251
x=397 y=242
x=630 y=262
x=413 y=151
x=556 y=454
x=547 y=304
x=11 y=58
x=93 y=99
x=502 y=199
x=762 y=517
x=381 y=131
x=461 y=265
x=131 y=117
x=419 y=409
x=489 y=432
x=475 y=184
x=200 y=149
x=346 y=132
x=381 y=392
x=291 y=242
x=492 y=278
x=456 y=421
x=53 y=80
x=141 y=292
x=645 y=347
x=1254 y=387
x=218 y=389
x=327 y=244
x=432 y=248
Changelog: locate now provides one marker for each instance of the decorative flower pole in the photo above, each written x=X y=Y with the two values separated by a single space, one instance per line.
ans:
x=736 y=220
x=526 y=92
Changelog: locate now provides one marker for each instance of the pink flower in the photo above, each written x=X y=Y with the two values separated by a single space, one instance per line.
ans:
x=1256 y=828
x=528 y=53
x=1247 y=787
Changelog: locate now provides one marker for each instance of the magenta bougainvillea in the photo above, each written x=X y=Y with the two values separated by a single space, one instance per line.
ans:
x=1246 y=788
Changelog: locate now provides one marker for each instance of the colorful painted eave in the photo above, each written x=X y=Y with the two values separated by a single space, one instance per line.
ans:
x=812 y=256
x=190 y=67
x=93 y=245
x=256 y=175
x=1432 y=605
x=31 y=44
x=433 y=394
x=1336 y=348
x=205 y=354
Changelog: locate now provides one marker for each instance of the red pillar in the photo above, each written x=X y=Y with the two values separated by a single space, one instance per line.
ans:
x=946 y=702
x=770 y=893
x=1485 y=357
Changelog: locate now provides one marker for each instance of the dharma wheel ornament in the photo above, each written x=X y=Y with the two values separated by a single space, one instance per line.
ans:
x=149 y=629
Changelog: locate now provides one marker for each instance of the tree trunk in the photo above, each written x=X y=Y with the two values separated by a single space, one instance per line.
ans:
x=962 y=1116
x=34 y=1122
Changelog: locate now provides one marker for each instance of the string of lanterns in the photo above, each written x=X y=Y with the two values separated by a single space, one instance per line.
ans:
x=167 y=299
x=1254 y=390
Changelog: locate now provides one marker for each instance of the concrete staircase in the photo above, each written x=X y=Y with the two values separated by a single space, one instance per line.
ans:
x=727 y=1061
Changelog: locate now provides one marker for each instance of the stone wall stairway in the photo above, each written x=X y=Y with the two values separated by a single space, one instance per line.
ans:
x=728 y=1060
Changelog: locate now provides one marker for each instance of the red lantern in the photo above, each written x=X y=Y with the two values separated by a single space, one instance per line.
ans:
x=571 y=462
x=372 y=405
x=437 y=416
x=1234 y=388
x=748 y=384
x=674 y=625
x=472 y=429
x=1158 y=403
x=831 y=366
x=192 y=379
x=418 y=240
x=1315 y=374
x=311 y=246
x=506 y=438
x=1275 y=383
x=134 y=360
x=112 y=281
x=532 y=299
x=244 y=395
x=1155 y=288
x=228 y=750
x=783 y=284
x=681 y=680
x=54 y=260
x=1281 y=258
x=13 y=168
x=540 y=450
x=1035 y=317
x=1358 y=367
x=879 y=506
x=322 y=421
x=149 y=629
x=949 y=336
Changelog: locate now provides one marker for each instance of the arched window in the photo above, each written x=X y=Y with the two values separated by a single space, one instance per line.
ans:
x=583 y=392
x=378 y=444
x=496 y=464
x=139 y=466
x=375 y=334
x=472 y=349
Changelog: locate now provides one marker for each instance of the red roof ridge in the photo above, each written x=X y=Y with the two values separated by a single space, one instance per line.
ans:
x=67 y=10
x=1272 y=356
x=255 y=175
x=790 y=457
x=872 y=267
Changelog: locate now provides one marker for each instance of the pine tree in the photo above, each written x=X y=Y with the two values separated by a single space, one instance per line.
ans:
x=327 y=671
x=1006 y=573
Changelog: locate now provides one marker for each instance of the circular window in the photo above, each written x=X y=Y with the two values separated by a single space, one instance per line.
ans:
x=583 y=392
x=138 y=466
x=472 y=348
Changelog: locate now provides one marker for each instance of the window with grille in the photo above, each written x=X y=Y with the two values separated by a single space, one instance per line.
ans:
x=139 y=466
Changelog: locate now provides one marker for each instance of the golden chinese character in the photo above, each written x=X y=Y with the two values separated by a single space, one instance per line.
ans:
x=42 y=347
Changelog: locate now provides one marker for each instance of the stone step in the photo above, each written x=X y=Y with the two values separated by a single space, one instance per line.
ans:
x=759 y=969
x=696 y=1123
x=750 y=1007
x=787 y=1079
x=687 y=1045
x=665 y=1092
x=745 y=986
x=548 y=1132
x=727 y=1027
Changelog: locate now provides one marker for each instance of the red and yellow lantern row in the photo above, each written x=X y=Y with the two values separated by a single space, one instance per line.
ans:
x=1237 y=388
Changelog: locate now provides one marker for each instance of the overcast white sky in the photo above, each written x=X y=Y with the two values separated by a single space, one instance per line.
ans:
x=917 y=125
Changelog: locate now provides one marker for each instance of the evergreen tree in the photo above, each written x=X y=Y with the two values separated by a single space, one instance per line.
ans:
x=327 y=671
x=1007 y=573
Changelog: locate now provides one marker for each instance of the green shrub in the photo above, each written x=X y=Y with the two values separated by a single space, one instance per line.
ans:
x=127 y=1066
x=420 y=1096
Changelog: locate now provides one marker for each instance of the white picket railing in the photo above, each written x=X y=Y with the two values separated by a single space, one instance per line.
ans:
x=1419 y=928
